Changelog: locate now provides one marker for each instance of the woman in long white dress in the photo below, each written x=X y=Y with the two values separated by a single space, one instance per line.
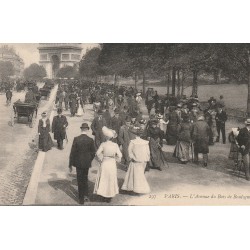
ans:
x=139 y=154
x=79 y=109
x=108 y=153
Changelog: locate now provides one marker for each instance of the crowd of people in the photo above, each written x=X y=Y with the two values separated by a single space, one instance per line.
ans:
x=131 y=129
x=123 y=132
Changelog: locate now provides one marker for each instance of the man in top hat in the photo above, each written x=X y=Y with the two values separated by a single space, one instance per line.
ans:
x=178 y=110
x=116 y=122
x=107 y=116
x=8 y=96
x=81 y=155
x=244 y=142
x=221 y=118
x=97 y=124
x=59 y=125
x=194 y=112
x=120 y=102
x=123 y=113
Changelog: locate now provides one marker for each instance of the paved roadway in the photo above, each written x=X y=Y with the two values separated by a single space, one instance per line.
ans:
x=18 y=151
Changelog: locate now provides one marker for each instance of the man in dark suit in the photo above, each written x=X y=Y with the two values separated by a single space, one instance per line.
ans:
x=221 y=118
x=81 y=156
x=244 y=143
x=97 y=124
x=59 y=125
x=116 y=123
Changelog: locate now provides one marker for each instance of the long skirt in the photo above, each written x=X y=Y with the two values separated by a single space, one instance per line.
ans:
x=171 y=134
x=135 y=179
x=79 y=111
x=106 y=183
x=156 y=154
x=45 y=142
x=181 y=151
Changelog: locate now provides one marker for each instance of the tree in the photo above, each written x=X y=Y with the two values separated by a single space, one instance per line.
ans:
x=89 y=65
x=35 y=72
x=239 y=57
x=67 y=72
x=114 y=60
x=6 y=70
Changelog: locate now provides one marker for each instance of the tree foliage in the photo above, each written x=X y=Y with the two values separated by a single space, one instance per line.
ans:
x=6 y=70
x=67 y=72
x=34 y=72
x=89 y=65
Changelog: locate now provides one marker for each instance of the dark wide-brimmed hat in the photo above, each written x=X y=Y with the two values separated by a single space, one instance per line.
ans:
x=85 y=126
x=154 y=122
x=44 y=113
x=59 y=110
x=116 y=111
x=128 y=119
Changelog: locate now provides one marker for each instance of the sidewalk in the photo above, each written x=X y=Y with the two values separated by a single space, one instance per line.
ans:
x=56 y=186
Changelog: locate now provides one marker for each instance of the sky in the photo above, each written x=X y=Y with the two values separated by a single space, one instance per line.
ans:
x=29 y=52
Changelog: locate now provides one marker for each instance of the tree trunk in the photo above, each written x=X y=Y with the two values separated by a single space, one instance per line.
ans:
x=219 y=76
x=178 y=84
x=173 y=81
x=143 y=83
x=135 y=80
x=182 y=83
x=168 y=83
x=115 y=79
x=195 y=83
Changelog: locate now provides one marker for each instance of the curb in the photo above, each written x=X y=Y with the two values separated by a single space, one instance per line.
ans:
x=31 y=192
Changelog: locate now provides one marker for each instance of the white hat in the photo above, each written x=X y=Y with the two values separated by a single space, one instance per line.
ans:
x=159 y=116
x=109 y=132
x=247 y=122
x=235 y=131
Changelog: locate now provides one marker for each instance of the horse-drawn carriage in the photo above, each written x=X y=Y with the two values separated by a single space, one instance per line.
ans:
x=24 y=110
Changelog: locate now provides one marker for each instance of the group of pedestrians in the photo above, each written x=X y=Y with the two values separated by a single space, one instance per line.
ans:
x=123 y=135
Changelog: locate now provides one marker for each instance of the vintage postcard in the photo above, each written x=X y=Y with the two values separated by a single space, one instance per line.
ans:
x=127 y=124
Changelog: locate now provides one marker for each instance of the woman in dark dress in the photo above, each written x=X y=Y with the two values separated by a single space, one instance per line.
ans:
x=155 y=136
x=181 y=151
x=172 y=127
x=45 y=142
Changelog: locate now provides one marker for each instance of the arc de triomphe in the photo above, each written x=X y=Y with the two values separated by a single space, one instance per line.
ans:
x=54 y=56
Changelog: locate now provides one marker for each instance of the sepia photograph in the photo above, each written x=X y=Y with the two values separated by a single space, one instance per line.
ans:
x=128 y=124
x=124 y=124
